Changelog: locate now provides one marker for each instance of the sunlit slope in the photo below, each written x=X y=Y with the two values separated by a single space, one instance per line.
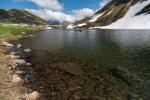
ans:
x=20 y=16
x=129 y=11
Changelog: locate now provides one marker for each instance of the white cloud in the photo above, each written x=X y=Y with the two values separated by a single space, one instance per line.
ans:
x=57 y=15
x=52 y=10
x=52 y=15
x=46 y=4
x=82 y=13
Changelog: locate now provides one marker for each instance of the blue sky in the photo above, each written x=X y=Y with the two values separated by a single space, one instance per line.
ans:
x=68 y=8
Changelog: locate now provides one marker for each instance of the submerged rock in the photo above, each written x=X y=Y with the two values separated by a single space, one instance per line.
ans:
x=69 y=68
x=27 y=50
x=28 y=64
x=125 y=75
x=33 y=96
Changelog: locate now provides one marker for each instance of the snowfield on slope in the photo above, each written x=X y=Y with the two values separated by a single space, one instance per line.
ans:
x=130 y=21
x=94 y=18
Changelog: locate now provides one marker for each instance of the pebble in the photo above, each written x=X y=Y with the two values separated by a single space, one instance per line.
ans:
x=12 y=53
x=14 y=66
x=22 y=98
x=28 y=64
x=19 y=72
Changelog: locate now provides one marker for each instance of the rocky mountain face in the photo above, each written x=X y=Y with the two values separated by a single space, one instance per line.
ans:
x=20 y=16
x=113 y=11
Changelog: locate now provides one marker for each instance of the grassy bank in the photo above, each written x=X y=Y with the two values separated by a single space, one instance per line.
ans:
x=11 y=32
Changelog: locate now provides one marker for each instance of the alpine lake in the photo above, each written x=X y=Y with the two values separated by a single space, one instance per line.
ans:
x=89 y=65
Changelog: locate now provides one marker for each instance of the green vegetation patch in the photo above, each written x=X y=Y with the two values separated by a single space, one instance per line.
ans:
x=14 y=32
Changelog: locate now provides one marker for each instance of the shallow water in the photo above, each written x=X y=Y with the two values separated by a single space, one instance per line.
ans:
x=80 y=65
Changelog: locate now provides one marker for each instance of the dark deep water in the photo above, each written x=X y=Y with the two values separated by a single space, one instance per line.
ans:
x=96 y=65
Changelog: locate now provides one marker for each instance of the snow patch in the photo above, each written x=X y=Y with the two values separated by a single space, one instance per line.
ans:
x=82 y=24
x=70 y=26
x=94 y=18
x=130 y=21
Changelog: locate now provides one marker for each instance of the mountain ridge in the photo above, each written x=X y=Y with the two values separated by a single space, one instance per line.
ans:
x=112 y=12
x=20 y=16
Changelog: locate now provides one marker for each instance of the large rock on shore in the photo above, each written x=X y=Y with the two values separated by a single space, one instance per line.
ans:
x=33 y=96
x=27 y=50
x=14 y=56
x=17 y=81
x=7 y=44
x=19 y=46
x=18 y=61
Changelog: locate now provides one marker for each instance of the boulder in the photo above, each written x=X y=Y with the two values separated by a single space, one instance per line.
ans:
x=12 y=53
x=17 y=81
x=18 y=61
x=19 y=46
x=7 y=44
x=27 y=50
x=17 y=84
x=14 y=56
x=23 y=33
x=125 y=75
x=33 y=96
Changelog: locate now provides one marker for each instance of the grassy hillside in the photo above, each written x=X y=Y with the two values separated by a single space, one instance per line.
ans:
x=20 y=16
x=12 y=32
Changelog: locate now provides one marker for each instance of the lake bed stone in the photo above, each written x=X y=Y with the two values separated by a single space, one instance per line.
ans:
x=27 y=50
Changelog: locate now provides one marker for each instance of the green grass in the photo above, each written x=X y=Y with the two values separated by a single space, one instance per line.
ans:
x=13 y=29
x=14 y=32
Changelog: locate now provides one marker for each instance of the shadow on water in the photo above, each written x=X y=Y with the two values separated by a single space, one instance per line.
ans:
x=96 y=64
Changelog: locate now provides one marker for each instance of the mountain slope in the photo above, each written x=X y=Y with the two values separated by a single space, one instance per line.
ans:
x=117 y=10
x=20 y=16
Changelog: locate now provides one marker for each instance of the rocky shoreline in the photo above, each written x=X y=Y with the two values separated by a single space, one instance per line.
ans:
x=33 y=79
x=16 y=64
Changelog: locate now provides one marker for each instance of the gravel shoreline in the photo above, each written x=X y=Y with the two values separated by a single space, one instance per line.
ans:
x=12 y=70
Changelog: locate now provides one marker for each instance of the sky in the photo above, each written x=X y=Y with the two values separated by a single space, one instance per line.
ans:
x=62 y=10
